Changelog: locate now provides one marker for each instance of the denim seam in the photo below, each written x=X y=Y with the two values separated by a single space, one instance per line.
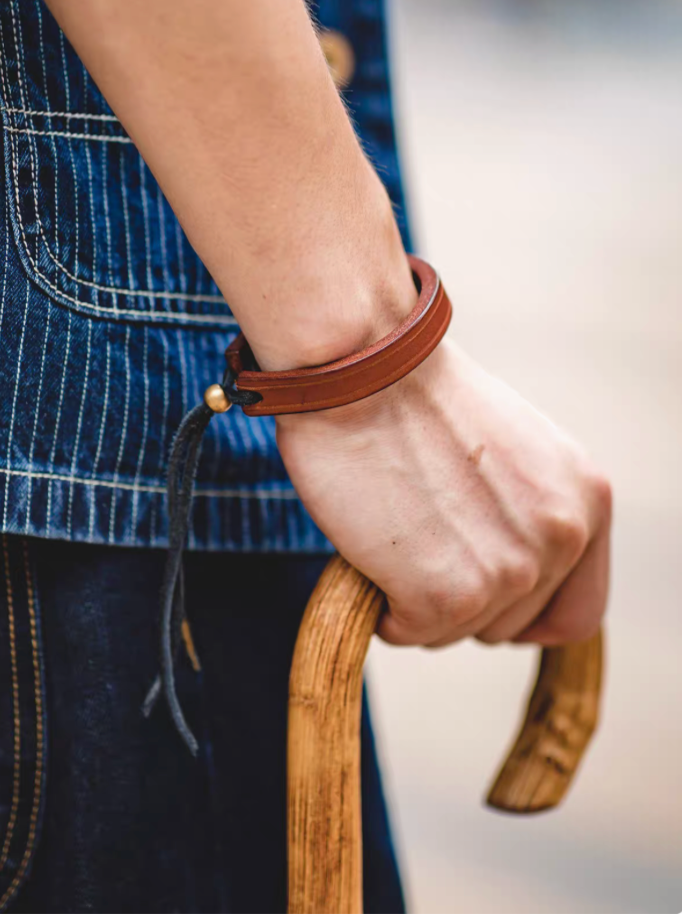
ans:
x=40 y=736
x=68 y=115
x=97 y=137
x=114 y=289
x=16 y=775
x=145 y=434
x=149 y=314
x=15 y=396
x=38 y=401
x=79 y=426
x=258 y=494
x=222 y=320
x=122 y=441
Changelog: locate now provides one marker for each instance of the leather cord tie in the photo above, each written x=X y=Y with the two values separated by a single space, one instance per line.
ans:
x=268 y=393
x=182 y=468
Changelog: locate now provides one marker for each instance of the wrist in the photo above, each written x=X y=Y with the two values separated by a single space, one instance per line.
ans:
x=337 y=292
x=385 y=412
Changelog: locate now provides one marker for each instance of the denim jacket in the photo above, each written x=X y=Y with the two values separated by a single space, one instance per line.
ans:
x=110 y=325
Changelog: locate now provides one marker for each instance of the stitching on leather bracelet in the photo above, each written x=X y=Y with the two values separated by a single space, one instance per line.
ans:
x=419 y=327
x=356 y=376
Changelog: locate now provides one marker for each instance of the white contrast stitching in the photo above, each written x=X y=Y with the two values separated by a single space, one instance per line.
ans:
x=164 y=422
x=107 y=220
x=116 y=290
x=15 y=397
x=67 y=87
x=97 y=137
x=145 y=431
x=46 y=85
x=38 y=402
x=124 y=435
x=76 y=202
x=181 y=257
x=103 y=421
x=91 y=195
x=275 y=494
x=183 y=371
x=58 y=418
x=113 y=290
x=226 y=320
x=186 y=318
x=107 y=379
x=79 y=425
x=223 y=320
x=126 y=220
x=163 y=433
x=145 y=215
x=69 y=115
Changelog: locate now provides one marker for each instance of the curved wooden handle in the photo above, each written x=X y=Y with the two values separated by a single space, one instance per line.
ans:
x=323 y=769
x=561 y=717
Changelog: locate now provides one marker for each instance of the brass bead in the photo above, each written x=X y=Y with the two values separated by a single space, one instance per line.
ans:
x=215 y=399
x=340 y=57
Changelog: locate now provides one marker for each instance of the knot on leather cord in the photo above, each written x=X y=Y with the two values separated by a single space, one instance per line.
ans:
x=182 y=468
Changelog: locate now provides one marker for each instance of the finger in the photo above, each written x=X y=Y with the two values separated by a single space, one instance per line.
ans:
x=519 y=616
x=464 y=631
x=415 y=627
x=468 y=612
x=575 y=611
x=400 y=631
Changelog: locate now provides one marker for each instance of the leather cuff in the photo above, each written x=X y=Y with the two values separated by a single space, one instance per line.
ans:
x=356 y=376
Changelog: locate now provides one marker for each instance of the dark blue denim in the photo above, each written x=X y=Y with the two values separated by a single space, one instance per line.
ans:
x=102 y=810
x=110 y=329
x=110 y=325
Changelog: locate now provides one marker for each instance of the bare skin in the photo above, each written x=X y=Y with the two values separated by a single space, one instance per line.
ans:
x=473 y=513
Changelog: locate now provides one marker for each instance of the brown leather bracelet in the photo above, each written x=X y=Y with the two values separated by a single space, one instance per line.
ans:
x=356 y=376
x=263 y=393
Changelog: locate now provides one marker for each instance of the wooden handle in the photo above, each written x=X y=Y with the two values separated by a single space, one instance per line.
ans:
x=325 y=694
x=561 y=717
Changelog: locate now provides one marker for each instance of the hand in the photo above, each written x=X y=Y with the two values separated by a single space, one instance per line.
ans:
x=468 y=508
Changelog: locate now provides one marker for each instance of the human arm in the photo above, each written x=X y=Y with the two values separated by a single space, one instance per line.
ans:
x=447 y=490
x=232 y=107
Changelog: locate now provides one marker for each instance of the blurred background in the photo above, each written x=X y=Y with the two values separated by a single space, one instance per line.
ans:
x=542 y=145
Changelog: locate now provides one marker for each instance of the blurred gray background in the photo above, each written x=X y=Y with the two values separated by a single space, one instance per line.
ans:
x=542 y=143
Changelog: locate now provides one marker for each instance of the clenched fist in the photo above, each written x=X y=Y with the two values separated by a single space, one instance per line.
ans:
x=468 y=508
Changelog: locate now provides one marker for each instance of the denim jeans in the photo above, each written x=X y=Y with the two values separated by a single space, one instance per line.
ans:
x=104 y=810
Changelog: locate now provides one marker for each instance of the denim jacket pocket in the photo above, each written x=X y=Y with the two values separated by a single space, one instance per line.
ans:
x=91 y=226
x=22 y=718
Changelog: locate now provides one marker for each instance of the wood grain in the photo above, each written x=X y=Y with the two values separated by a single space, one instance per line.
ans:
x=325 y=694
x=561 y=717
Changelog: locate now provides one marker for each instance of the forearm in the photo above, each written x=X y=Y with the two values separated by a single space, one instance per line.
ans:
x=233 y=109
x=466 y=507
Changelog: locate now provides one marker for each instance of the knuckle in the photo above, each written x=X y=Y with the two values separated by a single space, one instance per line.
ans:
x=603 y=493
x=439 y=597
x=471 y=602
x=520 y=575
x=565 y=528
x=405 y=626
x=463 y=601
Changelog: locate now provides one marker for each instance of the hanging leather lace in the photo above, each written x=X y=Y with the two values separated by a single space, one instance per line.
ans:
x=182 y=468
